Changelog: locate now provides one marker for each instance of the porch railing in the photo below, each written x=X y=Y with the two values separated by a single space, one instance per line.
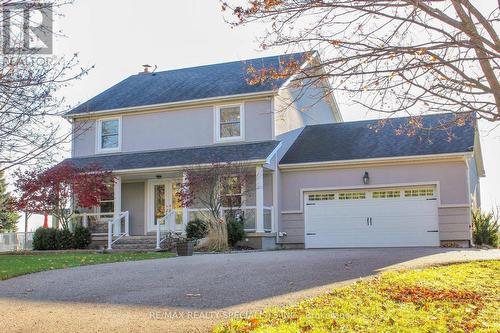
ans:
x=114 y=228
x=249 y=215
x=165 y=227
x=14 y=241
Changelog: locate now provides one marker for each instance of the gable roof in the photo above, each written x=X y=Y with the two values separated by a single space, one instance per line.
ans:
x=359 y=140
x=185 y=84
x=179 y=157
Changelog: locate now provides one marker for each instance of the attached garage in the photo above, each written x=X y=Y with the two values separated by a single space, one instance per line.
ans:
x=382 y=217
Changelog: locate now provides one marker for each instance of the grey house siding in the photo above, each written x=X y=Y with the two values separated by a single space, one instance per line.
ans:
x=454 y=223
x=133 y=195
x=189 y=127
x=452 y=178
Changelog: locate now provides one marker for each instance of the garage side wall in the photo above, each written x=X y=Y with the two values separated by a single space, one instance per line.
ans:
x=453 y=211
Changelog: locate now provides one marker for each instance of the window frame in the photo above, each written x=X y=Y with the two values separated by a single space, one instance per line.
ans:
x=99 y=148
x=217 y=111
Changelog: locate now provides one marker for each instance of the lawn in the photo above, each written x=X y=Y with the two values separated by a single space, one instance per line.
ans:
x=19 y=264
x=454 y=298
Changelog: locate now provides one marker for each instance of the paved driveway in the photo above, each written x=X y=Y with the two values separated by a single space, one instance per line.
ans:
x=245 y=281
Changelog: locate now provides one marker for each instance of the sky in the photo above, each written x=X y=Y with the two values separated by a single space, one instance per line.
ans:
x=118 y=36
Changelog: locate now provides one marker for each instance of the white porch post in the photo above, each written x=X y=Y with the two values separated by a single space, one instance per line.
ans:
x=259 y=199
x=185 y=212
x=117 y=202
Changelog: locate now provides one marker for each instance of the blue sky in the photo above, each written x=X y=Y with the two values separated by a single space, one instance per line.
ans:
x=118 y=36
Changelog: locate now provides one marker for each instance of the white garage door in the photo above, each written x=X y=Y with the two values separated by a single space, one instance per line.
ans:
x=372 y=218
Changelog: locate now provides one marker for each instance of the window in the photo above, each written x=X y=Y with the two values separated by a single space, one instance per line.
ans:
x=233 y=192
x=419 y=192
x=386 y=194
x=229 y=123
x=323 y=196
x=107 y=204
x=352 y=195
x=108 y=134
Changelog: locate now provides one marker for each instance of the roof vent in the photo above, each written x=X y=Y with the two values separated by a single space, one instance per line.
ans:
x=146 y=69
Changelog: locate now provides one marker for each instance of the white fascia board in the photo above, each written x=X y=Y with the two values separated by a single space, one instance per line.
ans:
x=435 y=157
x=154 y=107
x=182 y=167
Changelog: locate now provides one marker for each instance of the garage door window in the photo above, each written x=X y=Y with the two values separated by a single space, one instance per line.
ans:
x=386 y=194
x=419 y=192
x=352 y=195
x=323 y=196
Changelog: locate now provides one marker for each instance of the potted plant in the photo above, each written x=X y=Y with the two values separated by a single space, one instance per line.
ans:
x=185 y=247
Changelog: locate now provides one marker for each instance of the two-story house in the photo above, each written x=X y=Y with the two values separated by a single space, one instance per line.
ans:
x=316 y=181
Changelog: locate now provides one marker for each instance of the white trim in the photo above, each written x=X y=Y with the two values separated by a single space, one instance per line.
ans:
x=117 y=201
x=365 y=187
x=454 y=206
x=241 y=137
x=179 y=167
x=98 y=140
x=167 y=182
x=273 y=153
x=416 y=158
x=152 y=107
x=259 y=199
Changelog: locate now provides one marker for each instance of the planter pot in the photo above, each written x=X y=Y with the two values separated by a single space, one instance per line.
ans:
x=185 y=248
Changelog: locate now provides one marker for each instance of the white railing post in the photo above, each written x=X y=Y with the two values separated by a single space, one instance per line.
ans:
x=157 y=234
x=110 y=234
x=259 y=199
x=126 y=223
x=85 y=220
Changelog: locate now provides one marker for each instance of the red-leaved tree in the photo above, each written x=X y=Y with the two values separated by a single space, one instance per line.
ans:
x=53 y=190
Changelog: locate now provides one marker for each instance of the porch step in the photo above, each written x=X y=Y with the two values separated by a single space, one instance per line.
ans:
x=136 y=243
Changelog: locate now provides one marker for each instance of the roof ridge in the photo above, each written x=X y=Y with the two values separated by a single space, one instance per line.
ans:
x=219 y=63
x=383 y=119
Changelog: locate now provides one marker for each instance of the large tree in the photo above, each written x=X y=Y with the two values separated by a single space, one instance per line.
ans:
x=414 y=56
x=30 y=81
x=8 y=217
x=54 y=190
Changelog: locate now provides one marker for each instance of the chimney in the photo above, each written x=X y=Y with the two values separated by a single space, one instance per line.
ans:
x=146 y=69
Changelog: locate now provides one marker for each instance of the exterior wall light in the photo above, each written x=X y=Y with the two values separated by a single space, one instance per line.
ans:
x=366 y=178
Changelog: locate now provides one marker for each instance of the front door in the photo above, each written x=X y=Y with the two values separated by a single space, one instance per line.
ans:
x=162 y=199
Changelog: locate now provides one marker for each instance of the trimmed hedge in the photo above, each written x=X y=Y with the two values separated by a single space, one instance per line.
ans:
x=196 y=229
x=235 y=230
x=61 y=239
x=81 y=237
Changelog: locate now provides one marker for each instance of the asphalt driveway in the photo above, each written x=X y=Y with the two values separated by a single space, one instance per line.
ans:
x=125 y=294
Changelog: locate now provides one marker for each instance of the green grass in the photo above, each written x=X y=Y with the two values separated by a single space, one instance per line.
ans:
x=454 y=298
x=19 y=264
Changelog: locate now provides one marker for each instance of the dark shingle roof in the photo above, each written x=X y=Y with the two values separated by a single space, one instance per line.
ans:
x=356 y=140
x=185 y=84
x=179 y=157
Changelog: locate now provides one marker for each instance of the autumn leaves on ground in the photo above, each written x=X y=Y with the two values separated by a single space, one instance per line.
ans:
x=454 y=298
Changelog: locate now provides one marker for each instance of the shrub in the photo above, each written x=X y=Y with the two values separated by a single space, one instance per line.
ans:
x=64 y=239
x=196 y=229
x=485 y=228
x=81 y=237
x=45 y=239
x=235 y=230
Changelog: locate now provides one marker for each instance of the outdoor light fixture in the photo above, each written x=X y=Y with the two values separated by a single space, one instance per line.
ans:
x=366 y=178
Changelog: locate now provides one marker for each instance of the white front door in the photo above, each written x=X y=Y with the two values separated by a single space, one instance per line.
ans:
x=392 y=217
x=161 y=200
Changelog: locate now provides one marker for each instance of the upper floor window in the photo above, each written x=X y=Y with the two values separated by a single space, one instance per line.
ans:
x=229 y=123
x=108 y=134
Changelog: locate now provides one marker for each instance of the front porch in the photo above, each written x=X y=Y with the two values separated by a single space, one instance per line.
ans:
x=145 y=204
